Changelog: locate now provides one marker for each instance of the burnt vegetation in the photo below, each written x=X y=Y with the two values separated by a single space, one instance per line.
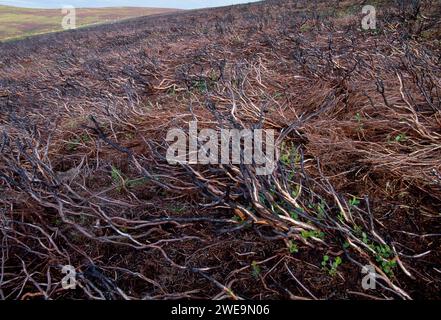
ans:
x=84 y=180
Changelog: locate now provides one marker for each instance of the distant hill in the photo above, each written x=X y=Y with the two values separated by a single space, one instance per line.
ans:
x=91 y=122
x=21 y=22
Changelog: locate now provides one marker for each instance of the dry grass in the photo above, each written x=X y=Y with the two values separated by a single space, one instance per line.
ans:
x=84 y=180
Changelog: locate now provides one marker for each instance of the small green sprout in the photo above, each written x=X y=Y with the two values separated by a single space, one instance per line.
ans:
x=73 y=144
x=400 y=138
x=200 y=85
x=325 y=260
x=359 y=118
x=85 y=137
x=296 y=191
x=136 y=182
x=354 y=202
x=338 y=261
x=278 y=95
x=341 y=217
x=116 y=174
x=117 y=178
x=255 y=269
x=364 y=238
x=293 y=248
x=331 y=266
x=383 y=253
x=321 y=209
x=312 y=234
x=294 y=215
x=288 y=154
x=358 y=230
x=384 y=256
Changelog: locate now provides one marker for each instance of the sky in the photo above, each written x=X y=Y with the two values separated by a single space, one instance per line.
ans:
x=181 y=4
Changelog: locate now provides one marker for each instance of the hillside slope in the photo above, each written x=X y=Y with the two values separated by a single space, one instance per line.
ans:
x=84 y=181
x=21 y=22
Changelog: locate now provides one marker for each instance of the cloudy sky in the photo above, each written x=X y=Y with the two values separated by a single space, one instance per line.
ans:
x=182 y=4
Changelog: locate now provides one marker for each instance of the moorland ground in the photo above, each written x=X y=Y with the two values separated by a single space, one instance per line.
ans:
x=84 y=181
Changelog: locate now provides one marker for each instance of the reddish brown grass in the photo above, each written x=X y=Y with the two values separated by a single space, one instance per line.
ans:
x=359 y=136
